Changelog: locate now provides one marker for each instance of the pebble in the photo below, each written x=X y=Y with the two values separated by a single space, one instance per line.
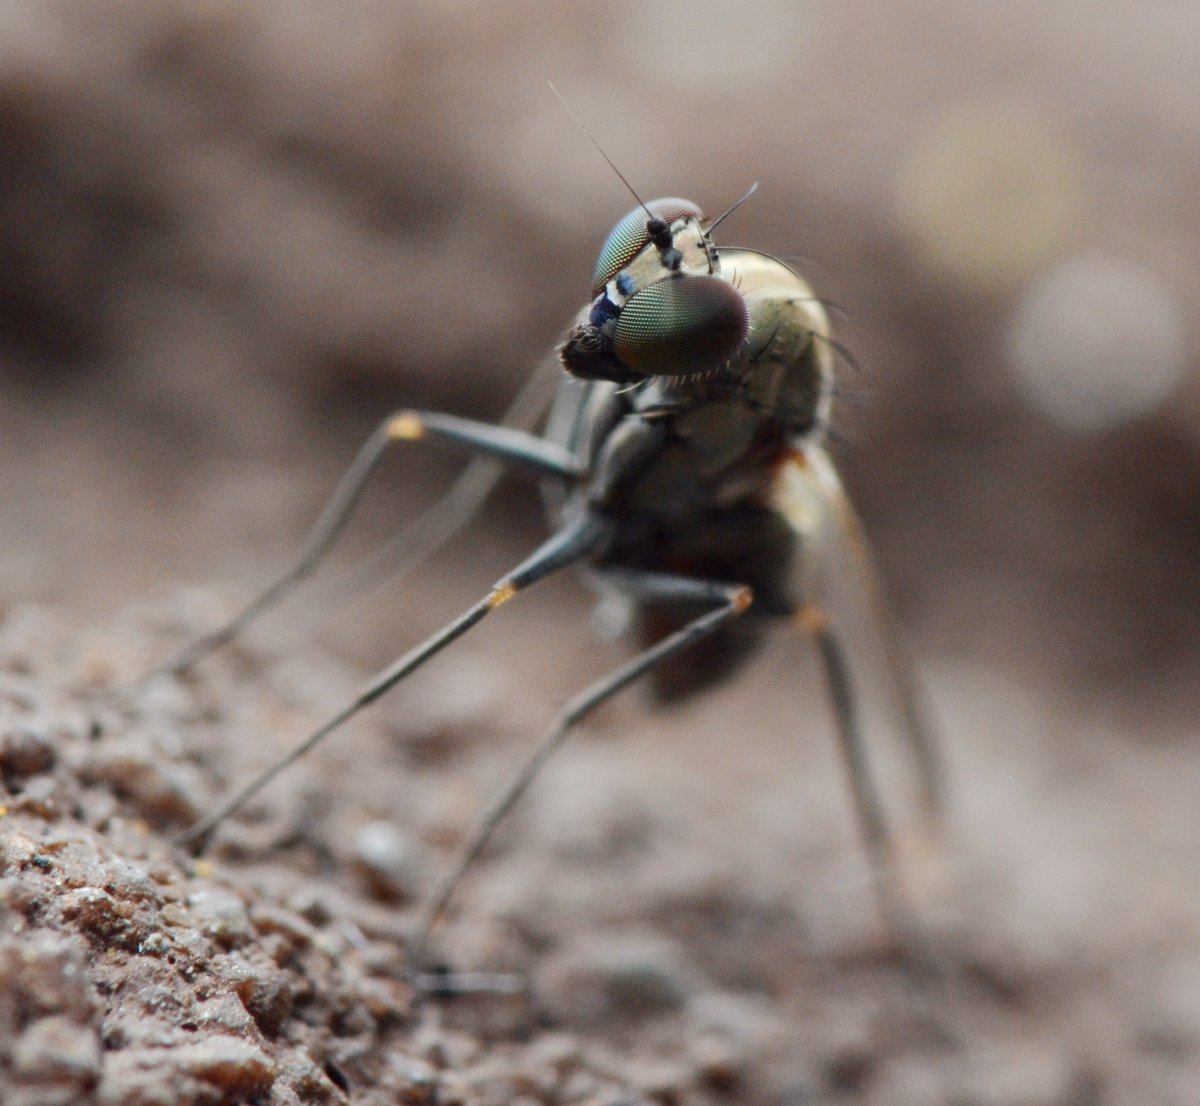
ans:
x=285 y=923
x=306 y=1081
x=602 y=978
x=25 y=750
x=57 y=1048
x=221 y=915
x=421 y=1082
x=160 y=790
x=393 y=862
x=44 y=974
x=102 y=917
x=39 y=796
x=225 y=1014
x=180 y=1075
x=130 y=881
x=265 y=991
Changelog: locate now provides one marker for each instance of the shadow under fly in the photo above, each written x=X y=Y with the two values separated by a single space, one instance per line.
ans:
x=682 y=466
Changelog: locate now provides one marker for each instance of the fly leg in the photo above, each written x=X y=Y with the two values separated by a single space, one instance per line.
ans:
x=843 y=572
x=584 y=538
x=842 y=608
x=914 y=723
x=434 y=527
x=877 y=839
x=502 y=443
x=728 y=601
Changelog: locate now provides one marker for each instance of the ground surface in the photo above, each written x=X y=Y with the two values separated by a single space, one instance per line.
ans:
x=235 y=235
x=683 y=943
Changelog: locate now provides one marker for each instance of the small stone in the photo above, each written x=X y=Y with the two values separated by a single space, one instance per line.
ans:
x=391 y=859
x=16 y=849
x=22 y=897
x=100 y=916
x=175 y=914
x=599 y=979
x=133 y=1027
x=225 y=1014
x=286 y=923
x=264 y=990
x=312 y=905
x=44 y=974
x=306 y=1078
x=659 y=1079
x=382 y=958
x=717 y=1063
x=420 y=1082
x=161 y=791
x=559 y=1051
x=56 y=1049
x=129 y=882
x=166 y=1076
x=38 y=796
x=96 y=806
x=444 y=1048
x=156 y=944
x=132 y=1079
x=385 y=999
x=747 y=1021
x=237 y=1067
x=26 y=750
x=221 y=915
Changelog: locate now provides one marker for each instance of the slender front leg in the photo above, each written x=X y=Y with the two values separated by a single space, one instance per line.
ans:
x=419 y=538
x=511 y=446
x=576 y=542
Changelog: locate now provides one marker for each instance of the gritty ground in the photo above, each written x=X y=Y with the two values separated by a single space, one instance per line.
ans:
x=680 y=945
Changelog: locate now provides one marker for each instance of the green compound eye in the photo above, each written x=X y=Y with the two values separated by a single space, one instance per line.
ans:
x=628 y=238
x=681 y=325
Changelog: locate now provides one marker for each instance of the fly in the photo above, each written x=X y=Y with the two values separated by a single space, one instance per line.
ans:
x=683 y=468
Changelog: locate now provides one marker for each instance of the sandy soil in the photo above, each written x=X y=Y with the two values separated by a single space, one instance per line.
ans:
x=682 y=942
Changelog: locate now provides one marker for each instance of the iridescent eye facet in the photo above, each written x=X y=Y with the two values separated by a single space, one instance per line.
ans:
x=628 y=238
x=681 y=325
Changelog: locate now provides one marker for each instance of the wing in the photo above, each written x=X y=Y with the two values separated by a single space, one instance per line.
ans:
x=841 y=591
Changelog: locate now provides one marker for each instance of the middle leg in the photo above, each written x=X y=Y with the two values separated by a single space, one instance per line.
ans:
x=728 y=601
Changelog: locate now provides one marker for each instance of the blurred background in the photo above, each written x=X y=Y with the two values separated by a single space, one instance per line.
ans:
x=234 y=235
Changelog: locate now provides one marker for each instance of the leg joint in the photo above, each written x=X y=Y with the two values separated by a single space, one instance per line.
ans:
x=741 y=598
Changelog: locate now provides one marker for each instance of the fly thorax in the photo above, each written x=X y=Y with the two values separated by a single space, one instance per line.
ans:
x=787 y=368
x=788 y=371
x=718 y=435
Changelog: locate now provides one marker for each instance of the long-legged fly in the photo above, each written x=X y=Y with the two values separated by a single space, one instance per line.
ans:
x=683 y=468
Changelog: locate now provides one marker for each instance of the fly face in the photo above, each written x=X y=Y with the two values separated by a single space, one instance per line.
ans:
x=669 y=224
x=661 y=306
x=670 y=307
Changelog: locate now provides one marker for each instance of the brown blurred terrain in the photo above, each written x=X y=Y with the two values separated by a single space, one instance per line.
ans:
x=234 y=236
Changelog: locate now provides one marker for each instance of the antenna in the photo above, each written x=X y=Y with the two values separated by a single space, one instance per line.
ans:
x=729 y=211
x=600 y=149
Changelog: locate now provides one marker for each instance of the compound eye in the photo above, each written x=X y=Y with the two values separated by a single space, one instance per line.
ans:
x=628 y=238
x=681 y=325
